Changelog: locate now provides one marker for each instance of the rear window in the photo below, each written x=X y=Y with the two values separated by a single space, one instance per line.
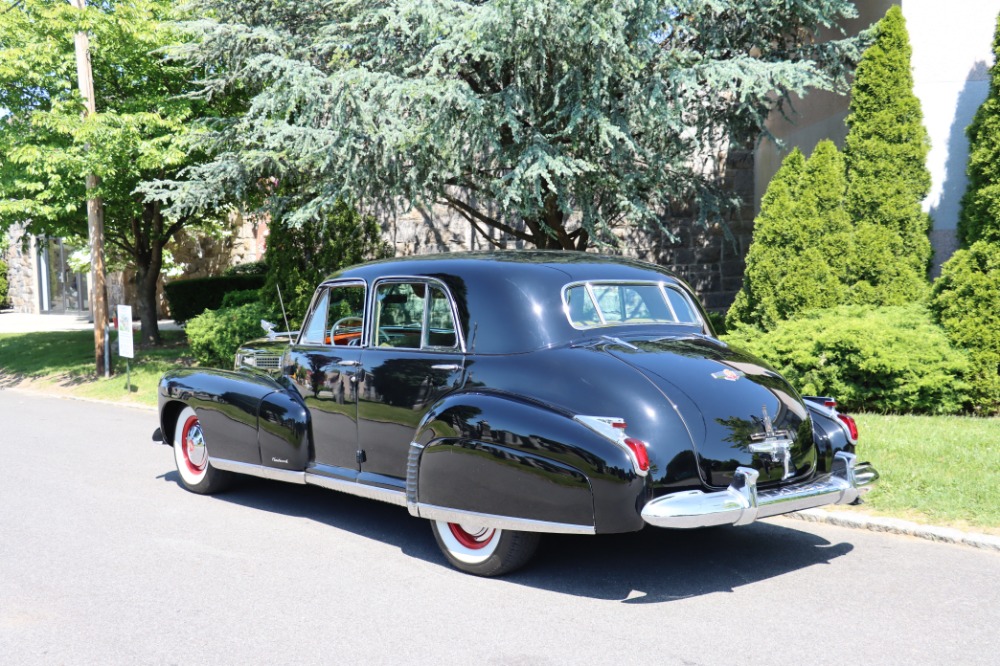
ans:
x=595 y=304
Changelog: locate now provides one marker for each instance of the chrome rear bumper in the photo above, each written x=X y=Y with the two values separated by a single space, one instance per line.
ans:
x=741 y=503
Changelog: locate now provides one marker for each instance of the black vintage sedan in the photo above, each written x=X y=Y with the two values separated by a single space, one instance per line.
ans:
x=509 y=394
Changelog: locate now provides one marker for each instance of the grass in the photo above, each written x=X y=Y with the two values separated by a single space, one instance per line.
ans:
x=63 y=361
x=936 y=469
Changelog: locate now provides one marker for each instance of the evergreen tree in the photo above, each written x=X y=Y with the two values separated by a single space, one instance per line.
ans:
x=550 y=121
x=801 y=249
x=887 y=176
x=980 y=215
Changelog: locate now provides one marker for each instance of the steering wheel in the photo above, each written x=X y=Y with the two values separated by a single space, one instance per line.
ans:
x=343 y=322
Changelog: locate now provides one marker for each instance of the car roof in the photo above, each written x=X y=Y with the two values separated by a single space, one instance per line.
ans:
x=511 y=301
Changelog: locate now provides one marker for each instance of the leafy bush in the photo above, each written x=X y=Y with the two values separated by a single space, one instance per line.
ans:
x=215 y=335
x=887 y=359
x=300 y=257
x=980 y=215
x=4 y=285
x=967 y=303
x=249 y=268
x=242 y=297
x=189 y=298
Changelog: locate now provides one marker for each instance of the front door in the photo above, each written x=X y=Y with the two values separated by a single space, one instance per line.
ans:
x=325 y=366
x=415 y=358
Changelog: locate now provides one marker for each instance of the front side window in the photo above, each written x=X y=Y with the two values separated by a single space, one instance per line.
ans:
x=414 y=315
x=337 y=316
x=595 y=304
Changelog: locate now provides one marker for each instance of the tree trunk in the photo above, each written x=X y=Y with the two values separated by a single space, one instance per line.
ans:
x=146 y=280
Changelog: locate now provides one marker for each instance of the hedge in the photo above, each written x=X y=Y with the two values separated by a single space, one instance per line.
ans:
x=189 y=298
x=215 y=335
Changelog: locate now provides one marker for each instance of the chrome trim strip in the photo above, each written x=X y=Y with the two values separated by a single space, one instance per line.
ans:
x=432 y=512
x=742 y=503
x=353 y=488
x=412 y=470
x=273 y=473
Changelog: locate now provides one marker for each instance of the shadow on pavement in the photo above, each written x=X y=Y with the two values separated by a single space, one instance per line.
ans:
x=651 y=566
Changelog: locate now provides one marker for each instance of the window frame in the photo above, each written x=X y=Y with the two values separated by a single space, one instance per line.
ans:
x=372 y=331
x=663 y=286
x=327 y=286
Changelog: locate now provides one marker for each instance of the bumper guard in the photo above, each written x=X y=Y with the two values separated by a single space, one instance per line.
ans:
x=741 y=503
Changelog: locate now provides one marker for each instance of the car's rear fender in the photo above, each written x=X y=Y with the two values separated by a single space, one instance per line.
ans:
x=227 y=403
x=519 y=465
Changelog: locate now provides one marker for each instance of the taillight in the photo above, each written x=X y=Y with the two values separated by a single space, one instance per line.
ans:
x=852 y=427
x=613 y=428
x=638 y=448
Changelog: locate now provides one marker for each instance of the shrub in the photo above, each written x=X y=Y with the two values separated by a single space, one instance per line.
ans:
x=980 y=215
x=215 y=335
x=886 y=149
x=887 y=359
x=242 y=297
x=300 y=257
x=189 y=298
x=249 y=268
x=4 y=285
x=801 y=245
x=967 y=303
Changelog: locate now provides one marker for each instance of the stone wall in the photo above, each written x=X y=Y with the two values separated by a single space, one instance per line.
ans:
x=21 y=263
x=710 y=259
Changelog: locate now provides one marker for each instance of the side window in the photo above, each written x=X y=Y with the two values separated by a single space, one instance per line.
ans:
x=345 y=319
x=413 y=315
x=313 y=331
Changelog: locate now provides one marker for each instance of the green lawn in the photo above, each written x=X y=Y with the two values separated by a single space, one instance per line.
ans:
x=936 y=469
x=63 y=361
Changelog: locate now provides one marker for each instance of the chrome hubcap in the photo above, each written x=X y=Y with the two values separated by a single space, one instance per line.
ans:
x=194 y=446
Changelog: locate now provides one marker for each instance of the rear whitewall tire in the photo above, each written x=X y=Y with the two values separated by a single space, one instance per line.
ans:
x=484 y=551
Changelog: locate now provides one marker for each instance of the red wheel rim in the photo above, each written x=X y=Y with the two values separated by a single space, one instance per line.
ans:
x=472 y=540
x=193 y=446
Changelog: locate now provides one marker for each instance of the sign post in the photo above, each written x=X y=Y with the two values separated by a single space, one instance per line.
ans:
x=125 y=340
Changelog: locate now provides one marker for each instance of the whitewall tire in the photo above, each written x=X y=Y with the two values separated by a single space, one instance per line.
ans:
x=191 y=456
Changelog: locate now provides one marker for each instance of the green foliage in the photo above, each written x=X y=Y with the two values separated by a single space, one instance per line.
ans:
x=967 y=303
x=4 y=284
x=189 y=298
x=249 y=268
x=142 y=130
x=233 y=299
x=888 y=359
x=300 y=257
x=548 y=121
x=980 y=215
x=799 y=258
x=886 y=152
x=215 y=335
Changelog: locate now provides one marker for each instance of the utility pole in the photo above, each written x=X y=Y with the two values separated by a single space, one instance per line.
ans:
x=95 y=207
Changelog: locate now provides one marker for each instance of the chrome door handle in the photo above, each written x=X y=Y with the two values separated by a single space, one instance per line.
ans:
x=450 y=367
x=350 y=364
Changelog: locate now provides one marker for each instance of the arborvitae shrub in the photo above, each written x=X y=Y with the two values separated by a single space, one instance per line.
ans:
x=887 y=359
x=967 y=303
x=886 y=151
x=980 y=215
x=4 y=285
x=800 y=253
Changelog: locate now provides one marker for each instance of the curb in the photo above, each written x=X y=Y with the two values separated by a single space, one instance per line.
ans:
x=897 y=526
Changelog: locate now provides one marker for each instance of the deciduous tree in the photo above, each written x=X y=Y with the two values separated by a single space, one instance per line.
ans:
x=141 y=132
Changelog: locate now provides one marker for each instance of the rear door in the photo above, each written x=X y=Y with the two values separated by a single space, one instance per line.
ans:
x=415 y=357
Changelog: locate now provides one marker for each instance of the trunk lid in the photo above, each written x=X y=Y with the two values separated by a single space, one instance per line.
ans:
x=739 y=412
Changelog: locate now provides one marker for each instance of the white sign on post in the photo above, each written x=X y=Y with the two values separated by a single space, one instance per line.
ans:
x=125 y=331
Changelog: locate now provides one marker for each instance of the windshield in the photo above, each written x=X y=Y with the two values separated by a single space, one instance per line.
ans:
x=595 y=304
